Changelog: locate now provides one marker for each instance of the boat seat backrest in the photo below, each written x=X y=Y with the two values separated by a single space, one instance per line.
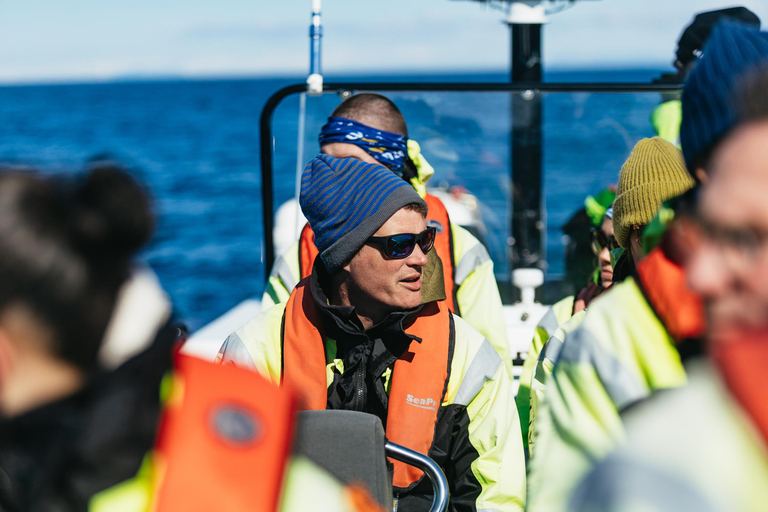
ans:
x=350 y=446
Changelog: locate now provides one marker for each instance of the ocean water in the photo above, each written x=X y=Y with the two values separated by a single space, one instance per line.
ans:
x=195 y=144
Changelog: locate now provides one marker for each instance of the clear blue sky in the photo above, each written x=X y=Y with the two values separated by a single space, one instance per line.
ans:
x=55 y=40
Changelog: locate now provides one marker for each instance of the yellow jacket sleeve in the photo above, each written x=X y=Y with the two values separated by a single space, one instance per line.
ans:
x=619 y=354
x=545 y=365
x=477 y=293
x=666 y=118
x=256 y=345
x=283 y=277
x=480 y=382
x=557 y=314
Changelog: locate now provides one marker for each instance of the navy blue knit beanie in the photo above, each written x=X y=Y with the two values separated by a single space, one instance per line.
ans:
x=346 y=201
x=732 y=52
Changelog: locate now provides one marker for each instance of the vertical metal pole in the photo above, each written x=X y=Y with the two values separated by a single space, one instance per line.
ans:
x=315 y=78
x=526 y=159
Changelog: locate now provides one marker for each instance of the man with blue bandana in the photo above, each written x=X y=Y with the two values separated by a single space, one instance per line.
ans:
x=369 y=127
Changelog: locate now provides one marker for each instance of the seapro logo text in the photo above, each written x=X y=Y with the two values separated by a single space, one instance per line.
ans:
x=423 y=403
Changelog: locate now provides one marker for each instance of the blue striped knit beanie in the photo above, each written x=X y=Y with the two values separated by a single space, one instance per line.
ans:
x=346 y=201
x=732 y=51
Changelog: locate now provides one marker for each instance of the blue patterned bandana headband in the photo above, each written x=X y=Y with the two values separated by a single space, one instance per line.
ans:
x=388 y=148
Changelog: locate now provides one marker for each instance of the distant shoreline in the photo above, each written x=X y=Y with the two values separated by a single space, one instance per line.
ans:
x=608 y=72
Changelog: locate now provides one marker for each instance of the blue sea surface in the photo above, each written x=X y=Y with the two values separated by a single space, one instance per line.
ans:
x=196 y=146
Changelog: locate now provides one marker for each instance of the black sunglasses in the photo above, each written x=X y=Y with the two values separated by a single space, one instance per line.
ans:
x=599 y=241
x=397 y=247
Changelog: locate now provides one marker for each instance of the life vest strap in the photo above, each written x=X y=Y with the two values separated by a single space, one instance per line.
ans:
x=419 y=377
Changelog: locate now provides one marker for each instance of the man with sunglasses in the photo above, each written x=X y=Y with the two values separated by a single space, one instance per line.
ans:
x=370 y=128
x=369 y=330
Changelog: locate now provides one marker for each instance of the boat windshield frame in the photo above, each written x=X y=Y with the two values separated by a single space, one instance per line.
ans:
x=266 y=136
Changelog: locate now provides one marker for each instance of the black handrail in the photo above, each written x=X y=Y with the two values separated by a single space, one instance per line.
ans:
x=265 y=122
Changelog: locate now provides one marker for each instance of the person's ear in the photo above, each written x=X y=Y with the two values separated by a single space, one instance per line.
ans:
x=701 y=175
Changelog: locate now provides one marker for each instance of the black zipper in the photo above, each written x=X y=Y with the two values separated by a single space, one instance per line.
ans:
x=360 y=374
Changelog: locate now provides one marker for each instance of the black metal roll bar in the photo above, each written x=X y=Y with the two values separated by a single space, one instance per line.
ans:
x=265 y=122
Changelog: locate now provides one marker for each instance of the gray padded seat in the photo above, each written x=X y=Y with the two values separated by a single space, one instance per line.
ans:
x=350 y=446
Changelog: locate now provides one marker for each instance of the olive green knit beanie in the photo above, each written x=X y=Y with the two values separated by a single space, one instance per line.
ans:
x=654 y=172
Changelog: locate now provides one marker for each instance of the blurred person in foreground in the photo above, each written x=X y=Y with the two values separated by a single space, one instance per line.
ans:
x=370 y=128
x=703 y=447
x=86 y=350
x=369 y=330
x=622 y=347
x=72 y=308
x=666 y=117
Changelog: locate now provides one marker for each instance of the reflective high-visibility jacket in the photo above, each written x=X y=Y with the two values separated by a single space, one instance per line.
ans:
x=474 y=284
x=545 y=365
x=619 y=355
x=477 y=433
x=691 y=449
x=666 y=118
x=305 y=486
x=556 y=315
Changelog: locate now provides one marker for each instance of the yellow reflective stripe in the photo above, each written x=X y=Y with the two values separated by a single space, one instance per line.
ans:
x=549 y=321
x=482 y=369
x=581 y=347
x=285 y=273
x=282 y=278
x=470 y=260
x=234 y=351
x=548 y=356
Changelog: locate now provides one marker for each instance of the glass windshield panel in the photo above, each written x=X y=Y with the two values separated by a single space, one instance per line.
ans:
x=466 y=137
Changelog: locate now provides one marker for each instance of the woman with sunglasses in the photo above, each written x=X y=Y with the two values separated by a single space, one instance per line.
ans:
x=603 y=244
x=369 y=330
x=625 y=326
x=562 y=317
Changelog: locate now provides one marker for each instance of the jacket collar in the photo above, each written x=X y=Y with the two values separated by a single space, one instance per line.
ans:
x=341 y=322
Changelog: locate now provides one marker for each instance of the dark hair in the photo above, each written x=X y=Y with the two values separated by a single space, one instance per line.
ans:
x=66 y=246
x=374 y=110
x=417 y=207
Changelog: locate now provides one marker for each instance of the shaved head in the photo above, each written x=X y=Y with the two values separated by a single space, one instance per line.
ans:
x=373 y=110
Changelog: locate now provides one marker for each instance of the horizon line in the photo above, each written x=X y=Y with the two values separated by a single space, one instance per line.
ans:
x=334 y=76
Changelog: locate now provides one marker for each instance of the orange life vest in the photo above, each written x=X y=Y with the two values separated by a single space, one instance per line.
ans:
x=437 y=216
x=223 y=441
x=663 y=283
x=419 y=378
